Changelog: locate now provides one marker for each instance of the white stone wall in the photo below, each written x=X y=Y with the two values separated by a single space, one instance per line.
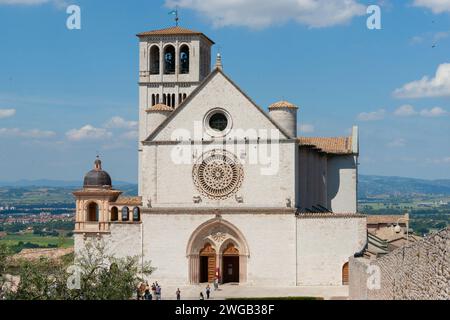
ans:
x=272 y=250
x=124 y=240
x=269 y=168
x=286 y=119
x=171 y=185
x=342 y=183
x=325 y=245
x=418 y=271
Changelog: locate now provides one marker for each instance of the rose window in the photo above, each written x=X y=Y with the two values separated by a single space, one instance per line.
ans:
x=218 y=174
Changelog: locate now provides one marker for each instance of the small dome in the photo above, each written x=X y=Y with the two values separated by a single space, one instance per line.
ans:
x=160 y=107
x=282 y=105
x=97 y=178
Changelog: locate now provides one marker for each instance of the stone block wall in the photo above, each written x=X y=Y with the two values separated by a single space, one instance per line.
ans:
x=419 y=271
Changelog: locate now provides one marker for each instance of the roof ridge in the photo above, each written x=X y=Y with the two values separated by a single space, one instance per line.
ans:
x=175 y=30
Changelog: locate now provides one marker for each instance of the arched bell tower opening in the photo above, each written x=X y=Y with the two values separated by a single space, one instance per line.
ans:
x=184 y=59
x=169 y=59
x=93 y=212
x=217 y=249
x=154 y=60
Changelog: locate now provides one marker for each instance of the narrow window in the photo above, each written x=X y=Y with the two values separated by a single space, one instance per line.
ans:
x=154 y=60
x=184 y=59
x=125 y=213
x=169 y=60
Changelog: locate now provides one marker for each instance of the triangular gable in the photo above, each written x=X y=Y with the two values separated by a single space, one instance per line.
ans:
x=198 y=90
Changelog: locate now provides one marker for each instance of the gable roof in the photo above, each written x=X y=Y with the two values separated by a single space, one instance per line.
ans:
x=197 y=90
x=173 y=31
x=338 y=145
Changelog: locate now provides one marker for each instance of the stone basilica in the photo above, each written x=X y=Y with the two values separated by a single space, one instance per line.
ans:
x=226 y=189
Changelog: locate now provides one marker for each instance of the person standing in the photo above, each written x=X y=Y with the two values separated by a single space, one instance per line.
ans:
x=147 y=292
x=138 y=293
x=178 y=294
x=208 y=291
x=202 y=297
x=154 y=290
x=158 y=292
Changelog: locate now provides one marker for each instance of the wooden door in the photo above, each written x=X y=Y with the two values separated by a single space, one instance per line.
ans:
x=345 y=274
x=207 y=264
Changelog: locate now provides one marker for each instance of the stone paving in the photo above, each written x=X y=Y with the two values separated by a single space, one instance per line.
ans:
x=240 y=291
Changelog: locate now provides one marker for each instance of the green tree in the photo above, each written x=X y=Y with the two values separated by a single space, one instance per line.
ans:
x=101 y=277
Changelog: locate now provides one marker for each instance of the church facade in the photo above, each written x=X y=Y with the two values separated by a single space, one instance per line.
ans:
x=226 y=190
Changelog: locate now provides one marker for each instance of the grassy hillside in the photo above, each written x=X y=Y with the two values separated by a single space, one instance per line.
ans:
x=396 y=186
x=31 y=195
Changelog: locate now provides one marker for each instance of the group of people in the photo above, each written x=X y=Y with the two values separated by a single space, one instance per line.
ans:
x=153 y=292
x=147 y=292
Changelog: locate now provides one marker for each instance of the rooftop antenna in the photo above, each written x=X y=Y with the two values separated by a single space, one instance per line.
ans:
x=175 y=13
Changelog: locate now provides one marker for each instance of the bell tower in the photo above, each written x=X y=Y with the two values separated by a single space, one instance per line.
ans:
x=173 y=62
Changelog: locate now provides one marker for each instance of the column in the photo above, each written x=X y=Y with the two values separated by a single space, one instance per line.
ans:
x=219 y=265
x=243 y=268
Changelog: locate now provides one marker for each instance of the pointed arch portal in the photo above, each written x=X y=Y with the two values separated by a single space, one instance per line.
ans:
x=217 y=249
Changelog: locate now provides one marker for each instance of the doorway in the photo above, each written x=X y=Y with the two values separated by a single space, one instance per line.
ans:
x=230 y=269
x=230 y=266
x=207 y=264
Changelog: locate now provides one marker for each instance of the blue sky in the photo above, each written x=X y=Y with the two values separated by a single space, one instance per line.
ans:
x=67 y=94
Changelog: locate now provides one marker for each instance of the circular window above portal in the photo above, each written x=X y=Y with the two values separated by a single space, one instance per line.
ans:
x=218 y=123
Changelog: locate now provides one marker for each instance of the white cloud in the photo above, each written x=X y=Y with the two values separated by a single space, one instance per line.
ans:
x=7 y=113
x=409 y=111
x=416 y=40
x=405 y=111
x=259 y=14
x=397 y=143
x=430 y=38
x=306 y=128
x=33 y=134
x=130 y=135
x=444 y=160
x=434 y=112
x=439 y=86
x=88 y=132
x=58 y=3
x=120 y=123
x=372 y=116
x=437 y=6
x=441 y=35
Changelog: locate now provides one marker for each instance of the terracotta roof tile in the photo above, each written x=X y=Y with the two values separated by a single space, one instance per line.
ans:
x=386 y=219
x=173 y=31
x=128 y=201
x=283 y=104
x=159 y=107
x=339 y=145
x=320 y=215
